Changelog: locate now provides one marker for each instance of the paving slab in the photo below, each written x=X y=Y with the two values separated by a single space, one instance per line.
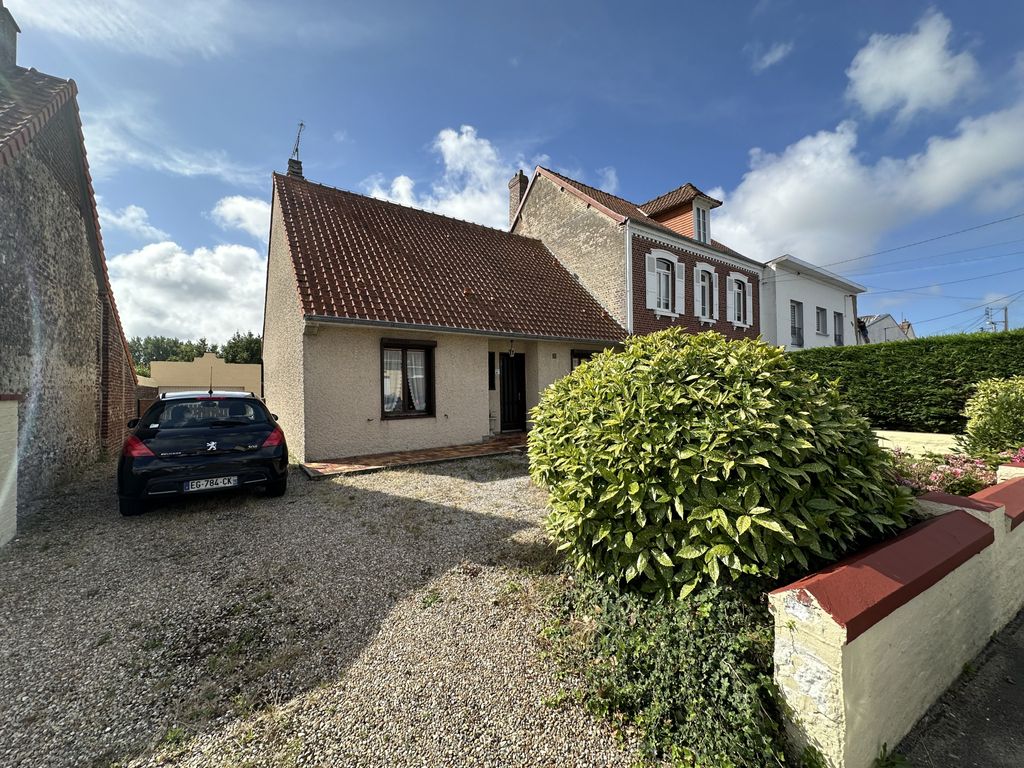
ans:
x=917 y=443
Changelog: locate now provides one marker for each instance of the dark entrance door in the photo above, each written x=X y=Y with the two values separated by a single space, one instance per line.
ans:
x=513 y=392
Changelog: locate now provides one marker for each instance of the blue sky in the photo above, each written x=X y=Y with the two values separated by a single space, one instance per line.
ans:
x=832 y=130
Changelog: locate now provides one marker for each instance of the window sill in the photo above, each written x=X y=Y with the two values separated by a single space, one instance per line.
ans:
x=404 y=416
x=665 y=313
x=708 y=320
x=821 y=333
x=739 y=325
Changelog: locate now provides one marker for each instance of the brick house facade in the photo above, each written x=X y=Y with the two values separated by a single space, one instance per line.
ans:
x=62 y=349
x=594 y=234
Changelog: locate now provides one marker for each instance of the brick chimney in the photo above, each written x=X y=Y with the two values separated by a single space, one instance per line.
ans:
x=8 y=39
x=295 y=168
x=516 y=190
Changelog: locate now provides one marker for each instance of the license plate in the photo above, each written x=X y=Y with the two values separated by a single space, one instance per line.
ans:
x=210 y=483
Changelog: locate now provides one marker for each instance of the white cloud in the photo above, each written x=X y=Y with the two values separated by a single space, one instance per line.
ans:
x=163 y=289
x=147 y=27
x=189 y=28
x=132 y=220
x=126 y=136
x=249 y=214
x=911 y=73
x=820 y=201
x=771 y=57
x=473 y=185
x=608 y=180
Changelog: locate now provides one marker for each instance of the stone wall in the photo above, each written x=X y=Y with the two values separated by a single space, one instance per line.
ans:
x=584 y=240
x=866 y=646
x=60 y=343
x=8 y=467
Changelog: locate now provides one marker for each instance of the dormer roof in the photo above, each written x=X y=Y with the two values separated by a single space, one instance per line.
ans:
x=676 y=198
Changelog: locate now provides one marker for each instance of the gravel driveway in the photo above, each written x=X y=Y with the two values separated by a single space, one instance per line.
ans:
x=389 y=619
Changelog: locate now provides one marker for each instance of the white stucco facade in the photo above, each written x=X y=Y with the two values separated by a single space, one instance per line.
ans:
x=787 y=280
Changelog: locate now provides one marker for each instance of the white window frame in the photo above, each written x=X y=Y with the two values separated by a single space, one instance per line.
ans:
x=838 y=329
x=821 y=329
x=677 y=284
x=734 y=292
x=796 y=313
x=701 y=224
x=699 y=309
x=663 y=271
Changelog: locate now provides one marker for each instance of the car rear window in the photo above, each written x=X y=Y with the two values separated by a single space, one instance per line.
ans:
x=195 y=413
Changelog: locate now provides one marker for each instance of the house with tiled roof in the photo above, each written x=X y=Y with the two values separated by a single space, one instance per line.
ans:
x=63 y=355
x=388 y=328
x=651 y=265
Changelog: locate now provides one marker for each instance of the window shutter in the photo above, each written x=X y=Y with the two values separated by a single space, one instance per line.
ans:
x=714 y=287
x=680 y=289
x=730 y=300
x=748 y=317
x=652 y=283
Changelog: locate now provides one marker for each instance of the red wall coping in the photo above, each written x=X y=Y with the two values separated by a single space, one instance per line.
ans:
x=960 y=502
x=1009 y=494
x=862 y=590
x=7 y=396
x=1014 y=464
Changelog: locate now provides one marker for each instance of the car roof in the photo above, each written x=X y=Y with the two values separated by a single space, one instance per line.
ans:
x=207 y=393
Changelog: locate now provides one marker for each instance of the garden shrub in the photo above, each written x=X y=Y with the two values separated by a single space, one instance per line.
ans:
x=995 y=416
x=920 y=385
x=950 y=473
x=688 y=459
x=693 y=677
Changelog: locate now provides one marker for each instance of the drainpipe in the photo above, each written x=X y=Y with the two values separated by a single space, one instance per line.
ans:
x=629 y=280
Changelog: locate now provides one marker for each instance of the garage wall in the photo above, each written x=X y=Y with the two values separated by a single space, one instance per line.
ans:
x=8 y=467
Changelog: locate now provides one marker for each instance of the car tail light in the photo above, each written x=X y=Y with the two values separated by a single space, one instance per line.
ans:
x=135 y=447
x=276 y=437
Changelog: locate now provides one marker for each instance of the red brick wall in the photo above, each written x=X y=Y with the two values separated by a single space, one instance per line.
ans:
x=646 y=321
x=117 y=389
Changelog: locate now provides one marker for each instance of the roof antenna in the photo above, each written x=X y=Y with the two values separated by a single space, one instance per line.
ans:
x=294 y=164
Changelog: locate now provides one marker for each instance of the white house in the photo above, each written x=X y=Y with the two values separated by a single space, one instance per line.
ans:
x=804 y=306
x=875 y=329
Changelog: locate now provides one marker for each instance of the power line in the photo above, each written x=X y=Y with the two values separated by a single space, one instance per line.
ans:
x=940 y=255
x=975 y=260
x=928 y=240
x=1012 y=298
x=947 y=282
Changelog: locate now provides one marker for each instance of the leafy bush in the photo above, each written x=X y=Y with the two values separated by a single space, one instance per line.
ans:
x=685 y=459
x=949 y=473
x=693 y=676
x=921 y=385
x=995 y=416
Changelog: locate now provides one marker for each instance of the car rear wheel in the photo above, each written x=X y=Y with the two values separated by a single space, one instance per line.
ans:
x=131 y=507
x=277 y=487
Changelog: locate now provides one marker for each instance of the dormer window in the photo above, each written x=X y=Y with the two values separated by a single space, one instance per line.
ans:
x=701 y=232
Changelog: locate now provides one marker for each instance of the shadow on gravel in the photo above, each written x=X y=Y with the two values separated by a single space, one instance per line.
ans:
x=123 y=636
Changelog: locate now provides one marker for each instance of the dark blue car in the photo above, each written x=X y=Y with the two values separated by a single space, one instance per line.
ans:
x=199 y=442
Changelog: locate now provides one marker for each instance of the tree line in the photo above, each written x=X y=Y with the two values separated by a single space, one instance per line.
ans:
x=240 y=348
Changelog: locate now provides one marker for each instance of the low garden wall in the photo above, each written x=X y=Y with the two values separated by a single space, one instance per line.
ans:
x=866 y=646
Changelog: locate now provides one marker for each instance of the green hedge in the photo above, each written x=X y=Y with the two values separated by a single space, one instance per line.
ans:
x=920 y=385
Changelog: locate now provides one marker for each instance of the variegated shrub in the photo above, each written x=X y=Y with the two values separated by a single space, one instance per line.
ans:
x=686 y=459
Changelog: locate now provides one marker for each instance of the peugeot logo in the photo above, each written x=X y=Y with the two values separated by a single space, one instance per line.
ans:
x=211 y=446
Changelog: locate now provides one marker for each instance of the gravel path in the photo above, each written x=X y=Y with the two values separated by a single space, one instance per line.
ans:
x=383 y=620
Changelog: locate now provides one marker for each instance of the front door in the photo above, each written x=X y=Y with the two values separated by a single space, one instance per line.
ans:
x=513 y=392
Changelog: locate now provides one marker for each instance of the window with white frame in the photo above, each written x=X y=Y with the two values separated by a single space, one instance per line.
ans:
x=837 y=328
x=740 y=300
x=796 y=323
x=665 y=284
x=705 y=295
x=700 y=224
x=663 y=269
x=821 y=321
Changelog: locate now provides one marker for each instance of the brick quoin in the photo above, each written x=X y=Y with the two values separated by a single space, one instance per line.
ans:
x=646 y=321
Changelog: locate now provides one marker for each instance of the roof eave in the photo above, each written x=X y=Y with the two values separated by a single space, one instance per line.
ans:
x=366 y=323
